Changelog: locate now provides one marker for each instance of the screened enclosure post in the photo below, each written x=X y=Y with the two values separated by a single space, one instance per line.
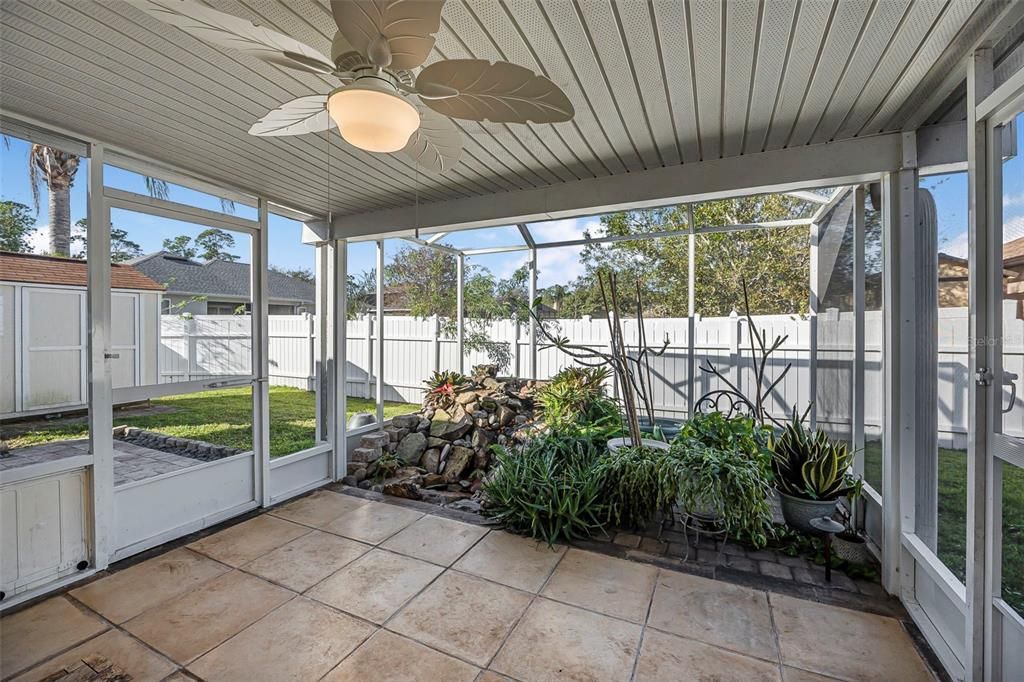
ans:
x=812 y=324
x=261 y=356
x=336 y=257
x=379 y=358
x=984 y=277
x=691 y=309
x=100 y=391
x=897 y=432
x=533 y=323
x=460 y=312
x=858 y=329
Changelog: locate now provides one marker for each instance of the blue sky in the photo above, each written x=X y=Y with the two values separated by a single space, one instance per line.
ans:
x=556 y=266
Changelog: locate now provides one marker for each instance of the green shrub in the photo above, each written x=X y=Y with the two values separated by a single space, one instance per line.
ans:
x=575 y=398
x=739 y=434
x=637 y=483
x=549 y=488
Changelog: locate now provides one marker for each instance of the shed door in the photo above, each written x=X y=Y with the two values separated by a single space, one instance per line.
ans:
x=54 y=347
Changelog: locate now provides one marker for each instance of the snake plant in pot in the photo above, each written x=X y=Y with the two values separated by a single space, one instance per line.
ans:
x=812 y=472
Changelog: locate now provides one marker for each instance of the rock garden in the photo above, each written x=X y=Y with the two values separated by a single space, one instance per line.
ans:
x=563 y=460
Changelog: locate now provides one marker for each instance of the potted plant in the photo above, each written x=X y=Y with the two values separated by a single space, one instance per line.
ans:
x=850 y=545
x=811 y=473
x=725 y=487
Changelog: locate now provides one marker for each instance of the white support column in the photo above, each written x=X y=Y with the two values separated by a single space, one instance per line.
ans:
x=691 y=310
x=812 y=326
x=336 y=257
x=984 y=279
x=100 y=392
x=532 y=329
x=858 y=327
x=261 y=357
x=898 y=196
x=379 y=359
x=460 y=312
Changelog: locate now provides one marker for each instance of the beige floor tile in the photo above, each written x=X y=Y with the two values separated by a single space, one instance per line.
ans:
x=126 y=653
x=463 y=616
x=615 y=587
x=797 y=675
x=42 y=630
x=435 y=539
x=244 y=542
x=300 y=641
x=559 y=642
x=666 y=658
x=374 y=522
x=386 y=656
x=730 y=616
x=375 y=585
x=491 y=676
x=191 y=625
x=511 y=560
x=307 y=560
x=874 y=647
x=128 y=593
x=318 y=509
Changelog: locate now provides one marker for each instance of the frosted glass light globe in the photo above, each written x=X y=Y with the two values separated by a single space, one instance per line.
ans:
x=372 y=117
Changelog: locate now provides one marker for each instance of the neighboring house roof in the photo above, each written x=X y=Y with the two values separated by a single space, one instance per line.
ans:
x=218 y=278
x=28 y=267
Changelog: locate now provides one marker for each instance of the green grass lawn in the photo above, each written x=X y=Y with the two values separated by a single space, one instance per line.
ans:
x=221 y=417
x=952 y=517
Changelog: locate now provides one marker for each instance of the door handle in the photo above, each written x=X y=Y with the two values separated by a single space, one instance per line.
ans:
x=1010 y=379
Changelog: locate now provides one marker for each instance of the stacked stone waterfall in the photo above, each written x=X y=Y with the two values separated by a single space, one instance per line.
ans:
x=443 y=454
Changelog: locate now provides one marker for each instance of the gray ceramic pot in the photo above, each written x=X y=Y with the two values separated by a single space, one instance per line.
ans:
x=852 y=548
x=798 y=512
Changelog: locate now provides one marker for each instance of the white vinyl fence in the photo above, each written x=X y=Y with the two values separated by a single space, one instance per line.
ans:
x=211 y=346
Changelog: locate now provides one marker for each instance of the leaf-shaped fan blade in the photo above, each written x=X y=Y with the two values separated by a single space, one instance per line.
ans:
x=437 y=144
x=298 y=117
x=405 y=28
x=227 y=30
x=500 y=92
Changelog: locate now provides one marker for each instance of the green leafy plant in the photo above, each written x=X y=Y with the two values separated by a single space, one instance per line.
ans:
x=384 y=466
x=575 y=396
x=442 y=387
x=638 y=482
x=727 y=483
x=737 y=434
x=812 y=466
x=549 y=488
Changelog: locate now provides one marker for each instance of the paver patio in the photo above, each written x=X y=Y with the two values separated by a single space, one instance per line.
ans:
x=467 y=603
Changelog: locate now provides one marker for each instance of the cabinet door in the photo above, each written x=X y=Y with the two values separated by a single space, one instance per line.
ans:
x=42 y=530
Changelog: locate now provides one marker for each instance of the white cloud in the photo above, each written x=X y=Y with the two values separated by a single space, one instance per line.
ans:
x=1011 y=200
x=558 y=266
x=564 y=230
x=39 y=240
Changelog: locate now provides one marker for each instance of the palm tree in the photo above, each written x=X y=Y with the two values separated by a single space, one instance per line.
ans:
x=56 y=169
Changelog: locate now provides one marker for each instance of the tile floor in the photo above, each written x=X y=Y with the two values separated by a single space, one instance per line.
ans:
x=336 y=588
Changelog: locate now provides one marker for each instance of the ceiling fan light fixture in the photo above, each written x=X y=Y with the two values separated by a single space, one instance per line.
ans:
x=371 y=116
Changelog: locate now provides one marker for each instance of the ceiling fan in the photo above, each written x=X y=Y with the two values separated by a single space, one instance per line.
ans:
x=382 y=104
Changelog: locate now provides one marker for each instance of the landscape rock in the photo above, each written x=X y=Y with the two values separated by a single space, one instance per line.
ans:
x=412 y=447
x=457 y=462
x=406 y=421
x=431 y=461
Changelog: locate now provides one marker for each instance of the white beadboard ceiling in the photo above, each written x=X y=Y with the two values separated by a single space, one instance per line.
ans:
x=654 y=83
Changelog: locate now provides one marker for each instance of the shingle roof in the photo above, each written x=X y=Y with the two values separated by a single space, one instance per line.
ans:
x=221 y=278
x=28 y=267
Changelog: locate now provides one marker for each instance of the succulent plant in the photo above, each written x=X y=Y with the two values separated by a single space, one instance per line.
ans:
x=810 y=465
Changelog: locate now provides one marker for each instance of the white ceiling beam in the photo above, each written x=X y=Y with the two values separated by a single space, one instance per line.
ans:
x=809 y=196
x=784 y=170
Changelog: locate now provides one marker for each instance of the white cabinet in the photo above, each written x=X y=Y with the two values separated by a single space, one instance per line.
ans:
x=43 y=530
